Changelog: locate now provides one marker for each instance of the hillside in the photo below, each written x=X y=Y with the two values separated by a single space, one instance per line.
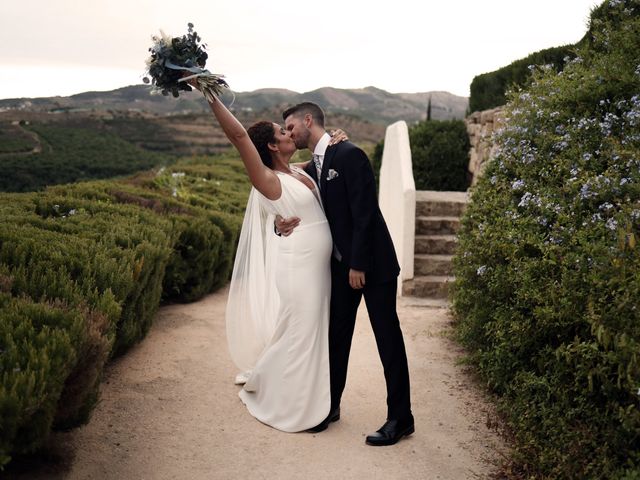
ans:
x=373 y=104
x=152 y=130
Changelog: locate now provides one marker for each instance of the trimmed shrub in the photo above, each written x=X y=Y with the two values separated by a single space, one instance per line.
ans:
x=37 y=345
x=439 y=155
x=547 y=284
x=94 y=260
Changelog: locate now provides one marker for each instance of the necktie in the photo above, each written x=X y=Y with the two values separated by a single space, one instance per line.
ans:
x=316 y=162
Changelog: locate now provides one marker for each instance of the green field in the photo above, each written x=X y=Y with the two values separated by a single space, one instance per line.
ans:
x=69 y=154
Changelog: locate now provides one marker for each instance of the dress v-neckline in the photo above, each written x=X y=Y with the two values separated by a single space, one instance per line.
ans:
x=315 y=191
x=303 y=173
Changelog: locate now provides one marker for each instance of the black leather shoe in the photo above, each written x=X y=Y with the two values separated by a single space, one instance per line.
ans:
x=322 y=426
x=391 y=432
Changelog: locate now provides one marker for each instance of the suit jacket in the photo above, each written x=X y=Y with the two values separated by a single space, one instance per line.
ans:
x=348 y=190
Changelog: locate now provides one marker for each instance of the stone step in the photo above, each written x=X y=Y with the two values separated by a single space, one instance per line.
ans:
x=435 y=244
x=441 y=204
x=437 y=225
x=433 y=265
x=428 y=286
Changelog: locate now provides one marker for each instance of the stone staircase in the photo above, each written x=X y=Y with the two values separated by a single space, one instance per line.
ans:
x=437 y=222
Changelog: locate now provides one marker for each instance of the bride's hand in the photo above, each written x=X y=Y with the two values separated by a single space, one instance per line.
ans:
x=338 y=136
x=192 y=81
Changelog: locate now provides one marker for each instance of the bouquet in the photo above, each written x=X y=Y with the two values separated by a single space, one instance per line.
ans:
x=172 y=57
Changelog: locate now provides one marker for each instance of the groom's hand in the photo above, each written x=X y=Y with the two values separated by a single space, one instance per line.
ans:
x=356 y=279
x=284 y=226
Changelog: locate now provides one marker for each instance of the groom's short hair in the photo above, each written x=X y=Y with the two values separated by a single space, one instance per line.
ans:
x=306 y=108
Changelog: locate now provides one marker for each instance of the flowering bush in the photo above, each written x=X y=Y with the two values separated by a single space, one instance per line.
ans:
x=547 y=282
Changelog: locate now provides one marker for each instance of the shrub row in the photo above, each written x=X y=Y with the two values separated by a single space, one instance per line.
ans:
x=547 y=282
x=83 y=269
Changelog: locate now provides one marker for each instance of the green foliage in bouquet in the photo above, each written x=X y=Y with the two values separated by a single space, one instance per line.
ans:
x=547 y=284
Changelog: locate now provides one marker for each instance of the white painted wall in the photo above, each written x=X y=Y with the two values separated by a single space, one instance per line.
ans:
x=397 y=196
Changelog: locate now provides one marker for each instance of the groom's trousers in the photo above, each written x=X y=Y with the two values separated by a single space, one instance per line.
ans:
x=380 y=300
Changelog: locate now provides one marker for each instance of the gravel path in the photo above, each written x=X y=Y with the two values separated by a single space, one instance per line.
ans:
x=169 y=410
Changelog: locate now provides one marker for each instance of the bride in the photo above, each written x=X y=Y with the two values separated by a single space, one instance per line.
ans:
x=278 y=308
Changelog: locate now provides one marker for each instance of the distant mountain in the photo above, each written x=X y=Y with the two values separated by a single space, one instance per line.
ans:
x=184 y=126
x=371 y=104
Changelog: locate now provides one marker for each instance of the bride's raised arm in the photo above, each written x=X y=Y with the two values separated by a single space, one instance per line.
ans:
x=262 y=177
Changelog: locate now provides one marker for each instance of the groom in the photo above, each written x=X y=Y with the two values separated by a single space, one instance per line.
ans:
x=364 y=263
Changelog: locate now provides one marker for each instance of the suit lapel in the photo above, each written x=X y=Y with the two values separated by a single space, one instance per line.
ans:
x=311 y=170
x=326 y=164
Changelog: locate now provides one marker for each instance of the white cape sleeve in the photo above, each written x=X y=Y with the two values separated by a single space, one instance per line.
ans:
x=253 y=300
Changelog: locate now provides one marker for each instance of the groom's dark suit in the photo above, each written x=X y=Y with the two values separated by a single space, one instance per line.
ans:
x=362 y=240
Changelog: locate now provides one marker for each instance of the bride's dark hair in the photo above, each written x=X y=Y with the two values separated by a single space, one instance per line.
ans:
x=261 y=134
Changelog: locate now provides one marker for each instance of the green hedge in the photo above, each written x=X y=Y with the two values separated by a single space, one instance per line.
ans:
x=83 y=269
x=439 y=155
x=489 y=90
x=547 y=283
x=38 y=355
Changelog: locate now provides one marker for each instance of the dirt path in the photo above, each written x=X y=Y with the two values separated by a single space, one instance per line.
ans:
x=169 y=410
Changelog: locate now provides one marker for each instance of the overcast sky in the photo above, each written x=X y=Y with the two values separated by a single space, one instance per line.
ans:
x=62 y=47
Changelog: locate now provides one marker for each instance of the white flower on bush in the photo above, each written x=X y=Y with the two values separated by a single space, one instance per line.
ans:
x=178 y=174
x=612 y=224
x=560 y=146
x=528 y=198
x=481 y=270
x=585 y=123
x=608 y=123
x=632 y=116
x=517 y=185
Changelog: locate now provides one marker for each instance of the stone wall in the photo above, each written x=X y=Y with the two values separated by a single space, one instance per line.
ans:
x=480 y=126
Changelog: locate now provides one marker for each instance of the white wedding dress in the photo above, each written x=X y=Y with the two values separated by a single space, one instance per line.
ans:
x=278 y=309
